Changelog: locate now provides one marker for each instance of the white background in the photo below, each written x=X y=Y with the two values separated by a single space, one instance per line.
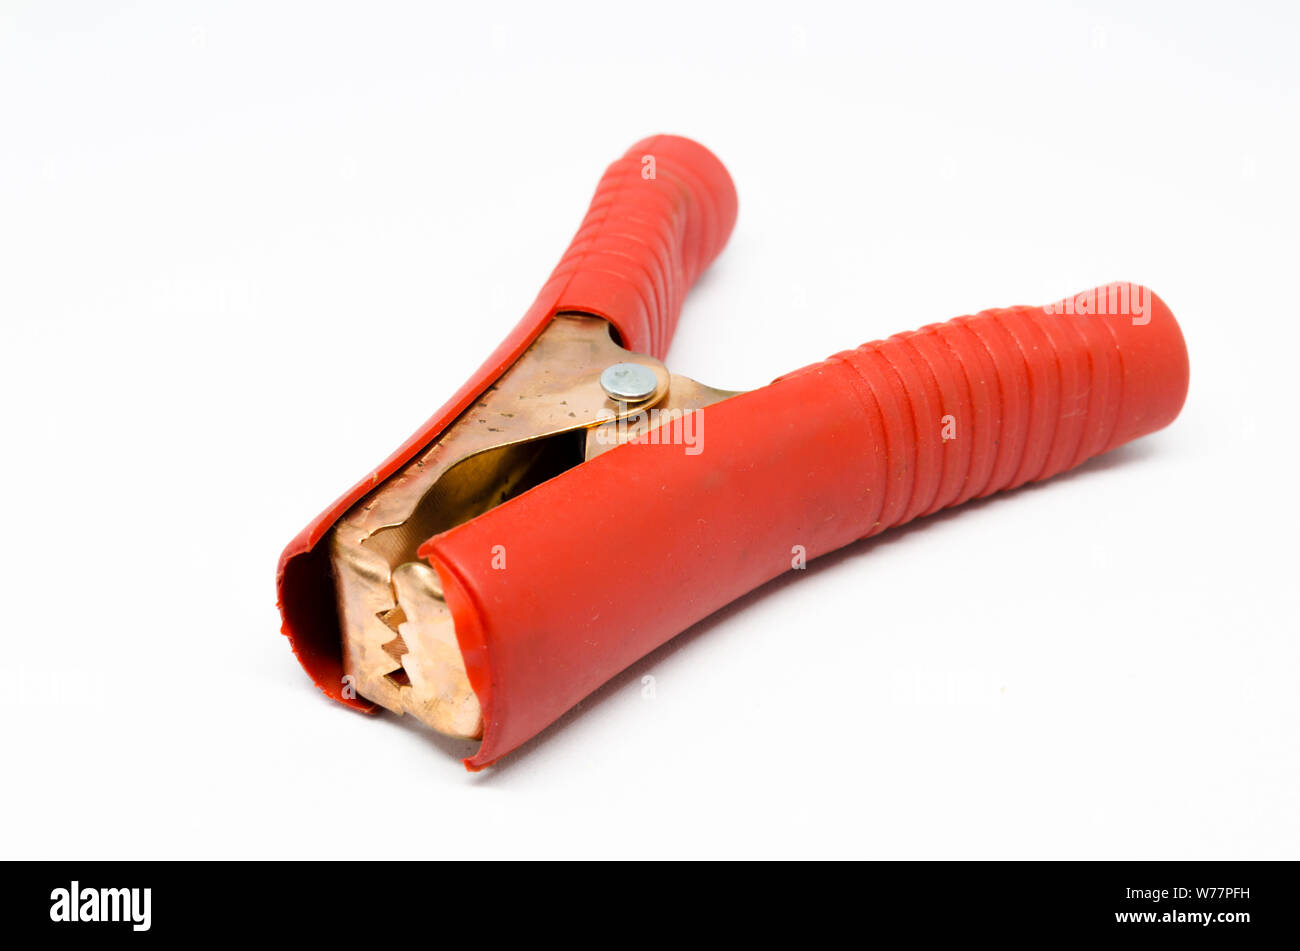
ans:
x=207 y=217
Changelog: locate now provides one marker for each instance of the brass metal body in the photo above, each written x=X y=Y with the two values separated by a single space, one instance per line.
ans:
x=546 y=413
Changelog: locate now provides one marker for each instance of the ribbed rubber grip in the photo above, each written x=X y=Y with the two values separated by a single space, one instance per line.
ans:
x=660 y=215
x=614 y=557
x=979 y=404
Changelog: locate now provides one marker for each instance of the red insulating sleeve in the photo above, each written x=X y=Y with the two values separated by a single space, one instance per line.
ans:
x=661 y=213
x=659 y=217
x=609 y=560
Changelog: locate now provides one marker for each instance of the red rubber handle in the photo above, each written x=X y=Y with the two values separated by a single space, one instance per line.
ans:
x=659 y=217
x=609 y=560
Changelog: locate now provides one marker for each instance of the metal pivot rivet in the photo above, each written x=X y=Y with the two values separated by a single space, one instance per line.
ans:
x=629 y=382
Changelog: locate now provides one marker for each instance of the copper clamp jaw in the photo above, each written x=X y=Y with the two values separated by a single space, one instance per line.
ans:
x=574 y=394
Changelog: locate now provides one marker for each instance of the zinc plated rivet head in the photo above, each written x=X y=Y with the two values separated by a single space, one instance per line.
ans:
x=628 y=382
